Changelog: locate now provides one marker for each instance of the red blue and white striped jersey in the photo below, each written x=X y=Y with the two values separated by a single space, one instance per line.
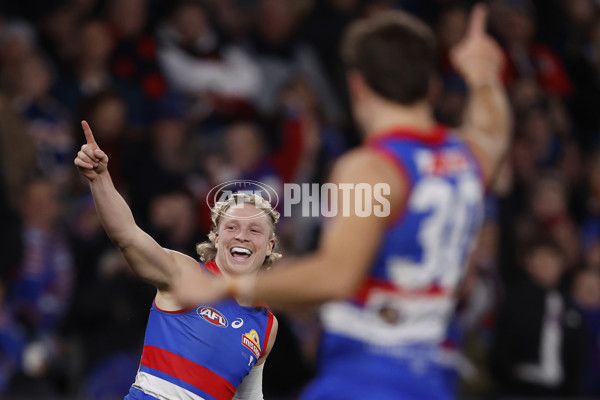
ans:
x=407 y=298
x=203 y=352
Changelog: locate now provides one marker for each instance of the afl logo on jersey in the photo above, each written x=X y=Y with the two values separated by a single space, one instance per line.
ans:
x=213 y=316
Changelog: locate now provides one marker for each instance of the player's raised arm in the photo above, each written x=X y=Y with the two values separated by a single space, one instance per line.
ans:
x=479 y=59
x=151 y=262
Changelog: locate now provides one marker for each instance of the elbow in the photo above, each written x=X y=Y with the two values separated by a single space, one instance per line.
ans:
x=123 y=239
x=122 y=245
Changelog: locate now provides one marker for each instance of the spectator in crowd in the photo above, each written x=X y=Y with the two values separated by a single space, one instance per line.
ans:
x=47 y=121
x=18 y=42
x=449 y=28
x=583 y=65
x=57 y=29
x=134 y=56
x=280 y=55
x=13 y=340
x=548 y=214
x=514 y=22
x=219 y=77
x=323 y=29
x=17 y=156
x=90 y=72
x=590 y=230
x=245 y=157
x=537 y=144
x=586 y=291
x=41 y=289
x=452 y=100
x=321 y=140
x=169 y=152
x=173 y=220
x=538 y=345
x=313 y=145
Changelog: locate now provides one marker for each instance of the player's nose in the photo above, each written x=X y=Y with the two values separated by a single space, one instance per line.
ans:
x=242 y=235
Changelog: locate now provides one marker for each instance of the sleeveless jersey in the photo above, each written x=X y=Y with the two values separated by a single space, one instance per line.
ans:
x=400 y=315
x=203 y=352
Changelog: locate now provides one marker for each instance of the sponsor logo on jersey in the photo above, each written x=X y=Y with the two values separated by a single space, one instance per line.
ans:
x=444 y=162
x=237 y=323
x=213 y=316
x=252 y=342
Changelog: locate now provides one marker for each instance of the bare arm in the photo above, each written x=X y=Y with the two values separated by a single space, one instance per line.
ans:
x=348 y=246
x=152 y=263
x=487 y=122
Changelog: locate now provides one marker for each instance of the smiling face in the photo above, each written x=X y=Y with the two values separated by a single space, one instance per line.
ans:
x=243 y=240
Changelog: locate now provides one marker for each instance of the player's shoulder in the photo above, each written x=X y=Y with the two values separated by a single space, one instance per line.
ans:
x=274 y=324
x=366 y=164
x=272 y=330
x=265 y=312
x=360 y=161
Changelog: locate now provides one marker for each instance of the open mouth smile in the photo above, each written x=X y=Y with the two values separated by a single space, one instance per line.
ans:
x=240 y=253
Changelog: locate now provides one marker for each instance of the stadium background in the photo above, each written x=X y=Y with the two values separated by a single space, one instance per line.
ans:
x=184 y=95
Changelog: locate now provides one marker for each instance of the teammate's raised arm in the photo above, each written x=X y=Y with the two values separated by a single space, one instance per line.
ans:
x=151 y=262
x=487 y=123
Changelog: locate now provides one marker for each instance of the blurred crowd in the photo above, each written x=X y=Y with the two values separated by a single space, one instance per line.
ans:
x=184 y=95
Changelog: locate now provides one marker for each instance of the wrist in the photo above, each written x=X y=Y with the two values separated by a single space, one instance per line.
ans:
x=474 y=82
x=100 y=178
x=242 y=288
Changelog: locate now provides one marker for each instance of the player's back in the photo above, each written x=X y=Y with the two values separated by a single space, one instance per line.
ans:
x=384 y=342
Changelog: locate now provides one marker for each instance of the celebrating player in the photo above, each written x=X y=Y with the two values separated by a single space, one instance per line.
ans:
x=203 y=351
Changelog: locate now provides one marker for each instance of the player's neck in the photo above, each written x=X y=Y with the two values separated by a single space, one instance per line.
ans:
x=384 y=116
x=243 y=277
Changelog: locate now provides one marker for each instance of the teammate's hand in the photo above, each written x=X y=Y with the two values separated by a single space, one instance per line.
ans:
x=477 y=57
x=90 y=160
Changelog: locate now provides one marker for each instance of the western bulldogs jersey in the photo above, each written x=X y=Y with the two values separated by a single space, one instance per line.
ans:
x=200 y=353
x=393 y=326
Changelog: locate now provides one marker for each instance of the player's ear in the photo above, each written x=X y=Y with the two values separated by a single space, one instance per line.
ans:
x=270 y=247
x=216 y=240
x=356 y=84
x=434 y=88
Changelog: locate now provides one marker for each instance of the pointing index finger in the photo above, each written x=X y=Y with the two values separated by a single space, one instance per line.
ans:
x=477 y=20
x=89 y=136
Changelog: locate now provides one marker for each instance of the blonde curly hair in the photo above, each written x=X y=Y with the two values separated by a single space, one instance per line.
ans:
x=208 y=251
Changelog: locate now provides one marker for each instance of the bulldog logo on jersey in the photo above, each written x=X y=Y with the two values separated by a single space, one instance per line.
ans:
x=213 y=316
x=252 y=342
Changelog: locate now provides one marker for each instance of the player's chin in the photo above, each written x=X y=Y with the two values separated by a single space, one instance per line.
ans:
x=243 y=266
